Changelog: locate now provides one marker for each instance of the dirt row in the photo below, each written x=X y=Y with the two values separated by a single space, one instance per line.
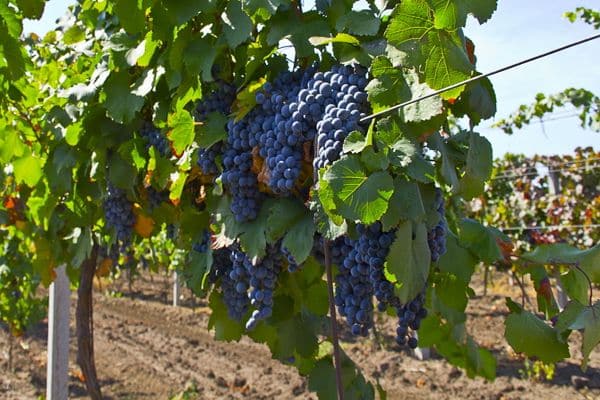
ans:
x=146 y=349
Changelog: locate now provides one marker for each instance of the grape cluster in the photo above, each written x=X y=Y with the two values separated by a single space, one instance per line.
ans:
x=156 y=197
x=338 y=249
x=341 y=93
x=234 y=281
x=293 y=265
x=118 y=212
x=207 y=158
x=436 y=237
x=218 y=101
x=237 y=175
x=354 y=290
x=203 y=245
x=263 y=277
x=377 y=244
x=154 y=137
x=286 y=126
x=410 y=316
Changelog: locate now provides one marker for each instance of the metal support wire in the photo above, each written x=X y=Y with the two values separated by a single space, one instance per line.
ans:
x=478 y=77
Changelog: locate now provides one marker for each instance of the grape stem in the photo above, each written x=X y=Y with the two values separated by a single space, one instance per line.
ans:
x=334 y=327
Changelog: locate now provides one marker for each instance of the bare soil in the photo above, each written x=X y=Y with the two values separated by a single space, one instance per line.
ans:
x=148 y=349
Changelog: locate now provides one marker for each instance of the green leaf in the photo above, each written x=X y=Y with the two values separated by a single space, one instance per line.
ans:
x=480 y=240
x=321 y=378
x=32 y=9
x=389 y=86
x=457 y=260
x=212 y=130
x=201 y=65
x=120 y=103
x=28 y=170
x=237 y=24
x=253 y=234
x=284 y=214
x=483 y=9
x=411 y=20
x=374 y=161
x=591 y=332
x=447 y=63
x=449 y=14
x=182 y=130
x=423 y=110
x=562 y=253
x=526 y=333
x=359 y=196
x=479 y=166
x=299 y=239
x=339 y=38
x=361 y=23
x=408 y=260
x=73 y=35
x=405 y=204
x=121 y=173
x=131 y=15
x=354 y=143
x=225 y=328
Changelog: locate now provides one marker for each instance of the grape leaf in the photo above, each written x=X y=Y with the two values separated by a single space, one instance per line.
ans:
x=225 y=328
x=361 y=23
x=562 y=253
x=447 y=63
x=28 y=169
x=411 y=20
x=131 y=15
x=299 y=239
x=237 y=24
x=480 y=240
x=212 y=130
x=526 y=333
x=408 y=260
x=359 y=196
x=120 y=103
x=483 y=9
x=405 y=204
x=479 y=166
x=182 y=130
x=449 y=14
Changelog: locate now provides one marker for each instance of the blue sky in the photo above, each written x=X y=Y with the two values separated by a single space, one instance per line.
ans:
x=517 y=30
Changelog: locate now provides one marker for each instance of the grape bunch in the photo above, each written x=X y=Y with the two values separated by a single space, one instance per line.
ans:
x=293 y=265
x=436 y=237
x=237 y=175
x=377 y=244
x=156 y=197
x=118 y=212
x=286 y=126
x=263 y=278
x=354 y=292
x=410 y=316
x=341 y=91
x=203 y=245
x=218 y=101
x=229 y=269
x=155 y=138
x=338 y=248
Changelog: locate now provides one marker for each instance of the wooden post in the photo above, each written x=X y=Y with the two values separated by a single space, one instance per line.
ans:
x=57 y=375
x=175 y=289
x=553 y=182
x=561 y=295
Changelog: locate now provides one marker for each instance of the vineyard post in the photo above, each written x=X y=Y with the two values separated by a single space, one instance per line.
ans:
x=553 y=181
x=175 y=289
x=58 y=337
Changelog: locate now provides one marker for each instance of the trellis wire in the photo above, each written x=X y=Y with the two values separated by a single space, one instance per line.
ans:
x=478 y=77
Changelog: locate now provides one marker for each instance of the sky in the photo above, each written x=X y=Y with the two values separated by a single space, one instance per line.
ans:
x=517 y=30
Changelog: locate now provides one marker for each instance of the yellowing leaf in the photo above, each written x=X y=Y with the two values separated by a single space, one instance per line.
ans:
x=144 y=225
